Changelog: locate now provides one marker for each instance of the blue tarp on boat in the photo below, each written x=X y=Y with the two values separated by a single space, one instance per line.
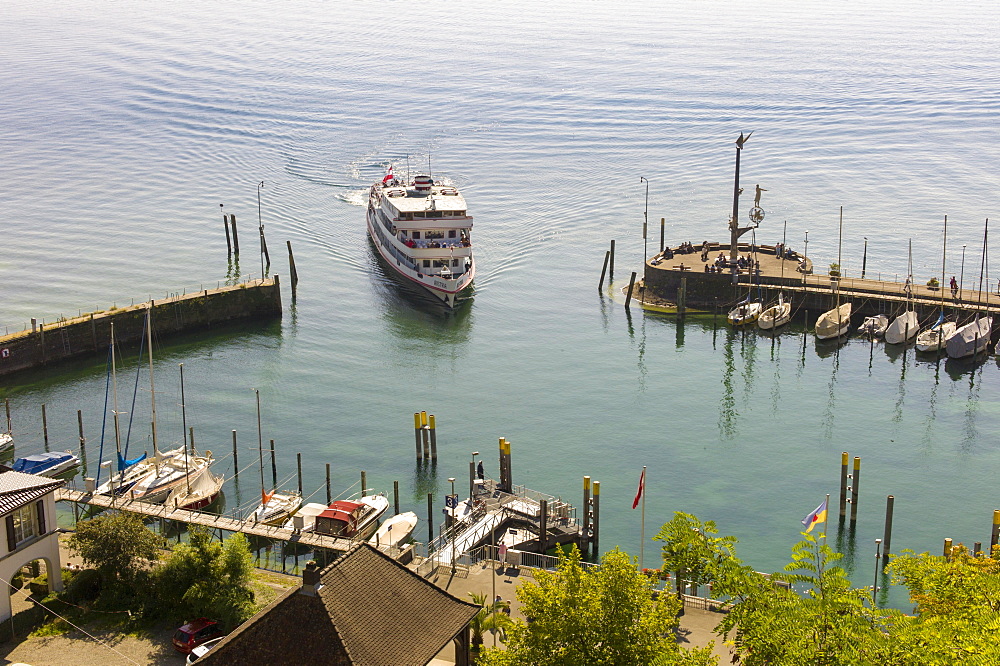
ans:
x=40 y=463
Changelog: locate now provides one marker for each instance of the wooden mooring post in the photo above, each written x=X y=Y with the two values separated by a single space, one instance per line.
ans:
x=682 y=297
x=294 y=274
x=364 y=483
x=607 y=255
x=236 y=237
x=432 y=428
x=663 y=228
x=298 y=465
x=328 y=496
x=595 y=525
x=584 y=534
x=543 y=525
x=995 y=532
x=416 y=432
x=844 y=461
x=45 y=428
x=225 y=223
x=395 y=497
x=236 y=459
x=274 y=467
x=83 y=440
x=611 y=266
x=887 y=533
x=855 y=484
x=631 y=284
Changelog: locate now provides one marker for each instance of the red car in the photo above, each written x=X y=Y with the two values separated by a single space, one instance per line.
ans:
x=194 y=633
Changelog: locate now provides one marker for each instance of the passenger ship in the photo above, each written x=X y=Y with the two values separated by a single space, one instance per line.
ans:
x=423 y=232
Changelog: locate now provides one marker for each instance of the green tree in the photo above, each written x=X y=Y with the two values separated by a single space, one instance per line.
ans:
x=830 y=623
x=121 y=549
x=693 y=552
x=607 y=615
x=208 y=578
x=958 y=608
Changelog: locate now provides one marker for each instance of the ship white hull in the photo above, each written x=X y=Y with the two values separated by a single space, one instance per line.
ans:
x=448 y=291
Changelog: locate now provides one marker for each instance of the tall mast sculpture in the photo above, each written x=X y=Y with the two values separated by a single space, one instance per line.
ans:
x=756 y=213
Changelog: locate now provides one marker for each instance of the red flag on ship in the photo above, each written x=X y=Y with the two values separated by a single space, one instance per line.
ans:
x=388 y=176
x=266 y=496
x=642 y=488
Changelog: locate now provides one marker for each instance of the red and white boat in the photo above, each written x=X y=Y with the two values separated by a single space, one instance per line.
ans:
x=353 y=519
x=423 y=232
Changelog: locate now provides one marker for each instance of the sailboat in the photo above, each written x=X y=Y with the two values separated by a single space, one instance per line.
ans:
x=777 y=315
x=836 y=322
x=905 y=326
x=275 y=507
x=934 y=338
x=974 y=337
x=745 y=312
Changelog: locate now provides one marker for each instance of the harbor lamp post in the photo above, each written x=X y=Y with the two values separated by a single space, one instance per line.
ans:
x=645 y=220
x=878 y=563
x=961 y=278
x=805 y=261
x=451 y=480
x=261 y=224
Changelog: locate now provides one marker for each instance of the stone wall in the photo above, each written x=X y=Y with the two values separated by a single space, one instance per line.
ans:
x=91 y=333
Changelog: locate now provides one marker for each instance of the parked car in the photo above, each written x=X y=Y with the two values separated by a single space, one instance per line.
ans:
x=195 y=633
x=202 y=649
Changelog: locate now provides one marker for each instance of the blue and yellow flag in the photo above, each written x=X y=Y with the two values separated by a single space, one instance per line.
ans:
x=817 y=515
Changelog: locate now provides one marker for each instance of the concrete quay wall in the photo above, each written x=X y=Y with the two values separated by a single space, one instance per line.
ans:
x=90 y=333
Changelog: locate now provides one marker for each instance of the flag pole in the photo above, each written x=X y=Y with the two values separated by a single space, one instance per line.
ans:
x=642 y=527
x=826 y=516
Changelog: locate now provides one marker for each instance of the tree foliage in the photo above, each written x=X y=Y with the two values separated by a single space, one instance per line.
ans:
x=957 y=604
x=491 y=617
x=692 y=551
x=607 y=615
x=120 y=548
x=208 y=578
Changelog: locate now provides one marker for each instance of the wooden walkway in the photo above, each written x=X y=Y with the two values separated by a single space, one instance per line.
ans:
x=207 y=520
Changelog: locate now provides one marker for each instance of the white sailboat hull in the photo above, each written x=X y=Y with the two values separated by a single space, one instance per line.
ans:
x=745 y=313
x=775 y=316
x=902 y=328
x=834 y=323
x=970 y=339
x=874 y=326
x=934 y=339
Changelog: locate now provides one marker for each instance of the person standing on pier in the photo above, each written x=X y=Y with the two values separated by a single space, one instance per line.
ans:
x=954 y=287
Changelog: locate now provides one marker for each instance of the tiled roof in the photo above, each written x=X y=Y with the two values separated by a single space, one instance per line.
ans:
x=18 y=489
x=369 y=611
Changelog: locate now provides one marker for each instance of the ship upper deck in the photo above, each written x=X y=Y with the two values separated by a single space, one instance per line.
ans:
x=440 y=199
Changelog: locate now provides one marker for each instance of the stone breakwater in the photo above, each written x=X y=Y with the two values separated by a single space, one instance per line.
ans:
x=90 y=333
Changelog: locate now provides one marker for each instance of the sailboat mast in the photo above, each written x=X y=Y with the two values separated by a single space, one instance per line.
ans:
x=944 y=256
x=840 y=264
x=114 y=408
x=152 y=389
x=982 y=266
x=260 y=443
x=187 y=473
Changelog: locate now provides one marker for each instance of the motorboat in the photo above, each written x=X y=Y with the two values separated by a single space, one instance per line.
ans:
x=935 y=338
x=6 y=441
x=970 y=339
x=307 y=514
x=745 y=312
x=353 y=519
x=422 y=231
x=46 y=464
x=874 y=327
x=834 y=323
x=275 y=507
x=394 y=531
x=777 y=315
x=903 y=328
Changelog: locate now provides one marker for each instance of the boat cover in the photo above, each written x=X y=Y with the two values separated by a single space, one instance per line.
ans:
x=41 y=462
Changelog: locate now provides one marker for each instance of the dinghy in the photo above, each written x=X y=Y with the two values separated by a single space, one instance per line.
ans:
x=874 y=327
x=834 y=323
x=395 y=530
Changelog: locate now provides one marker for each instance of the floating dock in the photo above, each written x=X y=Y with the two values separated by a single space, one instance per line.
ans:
x=89 y=333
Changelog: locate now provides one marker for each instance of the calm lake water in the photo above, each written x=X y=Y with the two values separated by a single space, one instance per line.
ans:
x=126 y=125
